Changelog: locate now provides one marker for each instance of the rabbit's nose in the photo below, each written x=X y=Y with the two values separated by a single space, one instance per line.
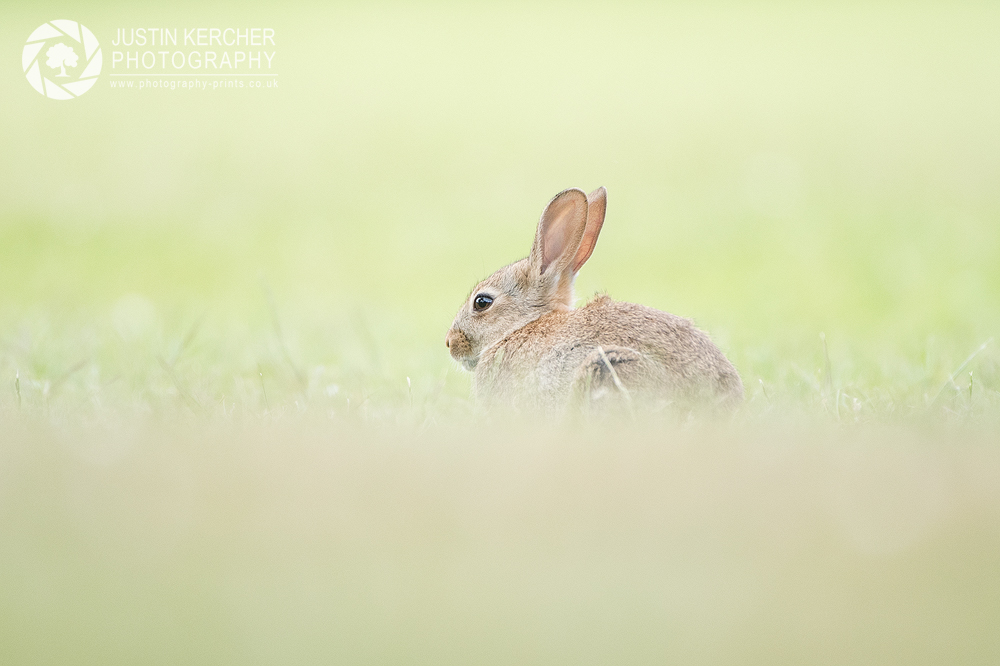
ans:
x=447 y=340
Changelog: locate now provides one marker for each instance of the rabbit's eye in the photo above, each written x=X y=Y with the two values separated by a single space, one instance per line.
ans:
x=481 y=302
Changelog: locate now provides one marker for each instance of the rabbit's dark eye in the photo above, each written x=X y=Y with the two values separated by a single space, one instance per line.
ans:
x=481 y=302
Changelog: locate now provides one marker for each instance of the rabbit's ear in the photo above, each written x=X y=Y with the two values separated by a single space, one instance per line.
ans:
x=559 y=232
x=597 y=203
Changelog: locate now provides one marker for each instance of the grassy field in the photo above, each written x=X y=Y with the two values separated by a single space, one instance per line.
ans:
x=231 y=431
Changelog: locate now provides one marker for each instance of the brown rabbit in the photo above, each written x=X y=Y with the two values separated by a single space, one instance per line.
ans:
x=531 y=349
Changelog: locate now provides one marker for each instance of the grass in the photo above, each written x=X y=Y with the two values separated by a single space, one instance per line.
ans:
x=297 y=541
x=230 y=431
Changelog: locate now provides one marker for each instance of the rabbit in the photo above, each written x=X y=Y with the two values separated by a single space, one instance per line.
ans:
x=531 y=349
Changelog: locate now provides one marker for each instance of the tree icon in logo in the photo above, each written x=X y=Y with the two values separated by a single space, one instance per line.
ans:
x=65 y=45
x=59 y=57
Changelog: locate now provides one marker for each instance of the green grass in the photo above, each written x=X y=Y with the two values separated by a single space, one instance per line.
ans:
x=297 y=542
x=230 y=431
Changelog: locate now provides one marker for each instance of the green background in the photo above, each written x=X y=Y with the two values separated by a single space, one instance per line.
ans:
x=230 y=431
x=775 y=170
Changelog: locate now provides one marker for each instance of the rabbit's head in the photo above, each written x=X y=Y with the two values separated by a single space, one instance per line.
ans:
x=525 y=290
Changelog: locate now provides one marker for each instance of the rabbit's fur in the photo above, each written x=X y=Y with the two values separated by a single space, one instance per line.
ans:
x=531 y=349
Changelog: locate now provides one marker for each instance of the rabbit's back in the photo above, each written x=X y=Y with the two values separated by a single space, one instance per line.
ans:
x=606 y=347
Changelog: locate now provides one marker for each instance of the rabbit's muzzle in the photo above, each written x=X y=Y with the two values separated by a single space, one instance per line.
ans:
x=460 y=348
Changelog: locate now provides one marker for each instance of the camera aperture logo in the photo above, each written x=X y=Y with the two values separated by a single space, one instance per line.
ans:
x=61 y=59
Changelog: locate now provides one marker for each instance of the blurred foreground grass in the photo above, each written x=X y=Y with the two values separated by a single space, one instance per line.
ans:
x=298 y=543
x=230 y=430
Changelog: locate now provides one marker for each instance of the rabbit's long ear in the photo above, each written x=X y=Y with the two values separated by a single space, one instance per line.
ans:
x=597 y=203
x=559 y=232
